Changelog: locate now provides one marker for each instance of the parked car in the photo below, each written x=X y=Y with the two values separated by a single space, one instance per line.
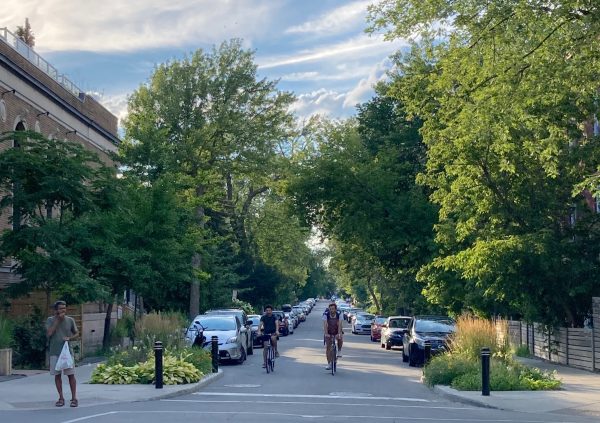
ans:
x=361 y=324
x=291 y=322
x=286 y=308
x=392 y=331
x=283 y=322
x=255 y=319
x=229 y=331
x=376 y=325
x=247 y=326
x=435 y=329
x=300 y=312
x=352 y=312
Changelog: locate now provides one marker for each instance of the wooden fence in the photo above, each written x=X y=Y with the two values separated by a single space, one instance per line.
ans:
x=577 y=347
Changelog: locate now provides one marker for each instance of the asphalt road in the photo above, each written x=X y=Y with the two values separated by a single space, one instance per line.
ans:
x=371 y=385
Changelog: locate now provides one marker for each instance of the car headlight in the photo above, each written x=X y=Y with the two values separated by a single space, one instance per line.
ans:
x=420 y=342
x=232 y=340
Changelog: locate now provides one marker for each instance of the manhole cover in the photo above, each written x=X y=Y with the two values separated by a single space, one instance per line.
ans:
x=349 y=394
x=242 y=385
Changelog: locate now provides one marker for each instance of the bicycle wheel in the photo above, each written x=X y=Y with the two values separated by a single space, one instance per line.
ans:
x=272 y=365
x=333 y=358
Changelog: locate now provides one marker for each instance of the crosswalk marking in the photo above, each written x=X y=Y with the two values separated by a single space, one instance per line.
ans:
x=345 y=404
x=245 y=394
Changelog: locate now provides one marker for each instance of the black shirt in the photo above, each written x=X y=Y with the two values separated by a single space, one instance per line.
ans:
x=269 y=323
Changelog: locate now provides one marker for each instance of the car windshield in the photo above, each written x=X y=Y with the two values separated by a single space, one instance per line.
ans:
x=399 y=323
x=217 y=324
x=435 y=325
x=365 y=317
x=380 y=320
x=255 y=320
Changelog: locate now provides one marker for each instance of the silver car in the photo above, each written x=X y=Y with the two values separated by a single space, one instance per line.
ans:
x=227 y=329
x=361 y=324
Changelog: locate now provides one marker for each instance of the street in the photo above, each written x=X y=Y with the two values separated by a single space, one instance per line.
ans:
x=371 y=385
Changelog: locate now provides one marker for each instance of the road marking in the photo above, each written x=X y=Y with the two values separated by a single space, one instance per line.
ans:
x=337 y=417
x=93 y=416
x=428 y=407
x=244 y=394
x=243 y=385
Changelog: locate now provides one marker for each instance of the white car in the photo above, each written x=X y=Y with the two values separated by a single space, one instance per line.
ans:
x=291 y=322
x=228 y=330
x=361 y=323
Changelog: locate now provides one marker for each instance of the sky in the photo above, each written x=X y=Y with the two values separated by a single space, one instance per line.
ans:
x=315 y=48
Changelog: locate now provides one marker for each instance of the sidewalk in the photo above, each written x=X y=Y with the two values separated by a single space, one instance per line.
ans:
x=36 y=390
x=580 y=393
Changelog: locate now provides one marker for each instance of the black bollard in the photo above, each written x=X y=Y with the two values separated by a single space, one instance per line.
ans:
x=158 y=364
x=215 y=354
x=485 y=372
x=427 y=354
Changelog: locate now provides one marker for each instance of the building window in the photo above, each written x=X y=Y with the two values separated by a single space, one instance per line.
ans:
x=2 y=111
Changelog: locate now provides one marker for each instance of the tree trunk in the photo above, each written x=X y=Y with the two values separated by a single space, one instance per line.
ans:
x=107 y=316
x=372 y=293
x=194 y=309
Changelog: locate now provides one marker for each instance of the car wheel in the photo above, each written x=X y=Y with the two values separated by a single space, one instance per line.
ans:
x=242 y=357
x=412 y=360
x=251 y=349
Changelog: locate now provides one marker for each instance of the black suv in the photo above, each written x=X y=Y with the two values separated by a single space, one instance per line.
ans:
x=435 y=329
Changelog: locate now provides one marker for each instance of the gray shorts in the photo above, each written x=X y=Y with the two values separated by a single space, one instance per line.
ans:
x=53 y=360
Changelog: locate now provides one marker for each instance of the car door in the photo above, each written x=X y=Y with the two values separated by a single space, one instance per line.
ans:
x=408 y=337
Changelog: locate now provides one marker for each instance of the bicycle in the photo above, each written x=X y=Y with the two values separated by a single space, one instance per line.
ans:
x=333 y=354
x=269 y=354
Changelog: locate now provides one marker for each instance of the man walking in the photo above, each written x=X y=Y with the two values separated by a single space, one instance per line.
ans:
x=61 y=328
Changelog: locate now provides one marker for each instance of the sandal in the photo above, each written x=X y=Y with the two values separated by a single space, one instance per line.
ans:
x=74 y=403
x=60 y=402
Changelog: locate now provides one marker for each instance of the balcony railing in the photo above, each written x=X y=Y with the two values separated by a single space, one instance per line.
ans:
x=27 y=52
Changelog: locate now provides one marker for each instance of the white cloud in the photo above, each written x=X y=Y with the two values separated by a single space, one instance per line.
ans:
x=118 y=25
x=114 y=103
x=364 y=88
x=362 y=45
x=336 y=104
x=335 y=21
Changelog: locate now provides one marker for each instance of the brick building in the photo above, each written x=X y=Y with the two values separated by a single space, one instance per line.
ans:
x=35 y=96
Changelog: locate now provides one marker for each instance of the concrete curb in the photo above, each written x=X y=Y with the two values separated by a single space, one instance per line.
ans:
x=453 y=395
x=206 y=380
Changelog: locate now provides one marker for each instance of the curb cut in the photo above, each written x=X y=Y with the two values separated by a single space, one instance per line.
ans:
x=447 y=392
x=191 y=389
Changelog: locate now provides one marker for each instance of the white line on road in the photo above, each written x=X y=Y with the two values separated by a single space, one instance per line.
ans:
x=336 y=417
x=245 y=394
x=93 y=416
x=428 y=407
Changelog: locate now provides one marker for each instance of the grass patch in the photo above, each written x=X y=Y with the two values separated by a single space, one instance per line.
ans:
x=522 y=351
x=461 y=366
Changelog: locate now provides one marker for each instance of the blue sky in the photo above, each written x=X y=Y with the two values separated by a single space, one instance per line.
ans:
x=317 y=48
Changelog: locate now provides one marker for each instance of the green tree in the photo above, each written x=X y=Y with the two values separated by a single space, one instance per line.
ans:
x=210 y=120
x=504 y=89
x=360 y=191
x=25 y=34
x=49 y=185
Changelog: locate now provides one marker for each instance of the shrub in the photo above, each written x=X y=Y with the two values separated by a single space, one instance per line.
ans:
x=200 y=358
x=176 y=370
x=6 y=333
x=29 y=341
x=125 y=328
x=247 y=307
x=128 y=356
x=472 y=334
x=164 y=327
x=522 y=351
x=443 y=369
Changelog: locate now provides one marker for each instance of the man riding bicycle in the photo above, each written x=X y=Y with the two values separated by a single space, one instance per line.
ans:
x=332 y=329
x=269 y=328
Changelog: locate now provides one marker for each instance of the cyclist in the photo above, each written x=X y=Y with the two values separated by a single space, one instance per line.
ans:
x=332 y=329
x=269 y=328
